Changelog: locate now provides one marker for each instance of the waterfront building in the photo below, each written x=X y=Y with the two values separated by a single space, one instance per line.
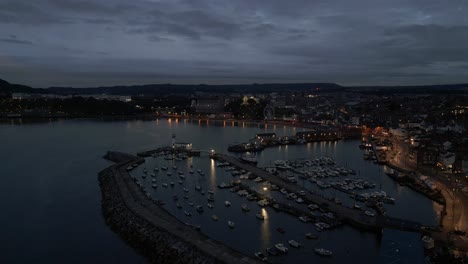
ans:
x=208 y=105
x=264 y=136
x=183 y=145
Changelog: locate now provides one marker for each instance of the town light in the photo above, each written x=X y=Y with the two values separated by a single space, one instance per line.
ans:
x=265 y=188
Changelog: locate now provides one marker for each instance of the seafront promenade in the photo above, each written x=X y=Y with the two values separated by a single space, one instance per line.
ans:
x=454 y=214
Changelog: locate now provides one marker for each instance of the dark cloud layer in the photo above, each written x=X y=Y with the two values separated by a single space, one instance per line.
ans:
x=110 y=42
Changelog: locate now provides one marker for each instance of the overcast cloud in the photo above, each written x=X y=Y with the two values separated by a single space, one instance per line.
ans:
x=117 y=42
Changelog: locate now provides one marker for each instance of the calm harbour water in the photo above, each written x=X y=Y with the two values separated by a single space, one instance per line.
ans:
x=51 y=199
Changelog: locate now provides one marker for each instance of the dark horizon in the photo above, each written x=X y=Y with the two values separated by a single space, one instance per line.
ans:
x=458 y=85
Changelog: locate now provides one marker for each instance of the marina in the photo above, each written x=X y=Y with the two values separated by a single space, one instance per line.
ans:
x=322 y=213
x=250 y=234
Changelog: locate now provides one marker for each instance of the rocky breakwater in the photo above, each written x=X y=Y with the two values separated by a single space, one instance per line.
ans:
x=150 y=229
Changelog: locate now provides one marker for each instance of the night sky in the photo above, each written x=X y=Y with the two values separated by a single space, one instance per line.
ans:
x=350 y=42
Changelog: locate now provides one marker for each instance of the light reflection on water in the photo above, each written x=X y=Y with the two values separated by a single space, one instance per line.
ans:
x=212 y=174
x=265 y=229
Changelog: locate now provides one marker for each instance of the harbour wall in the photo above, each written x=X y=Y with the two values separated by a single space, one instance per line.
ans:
x=149 y=228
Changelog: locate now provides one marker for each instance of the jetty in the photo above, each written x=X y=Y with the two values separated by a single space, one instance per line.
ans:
x=148 y=227
x=345 y=214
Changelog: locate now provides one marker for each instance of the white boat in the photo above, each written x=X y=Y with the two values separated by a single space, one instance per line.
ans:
x=231 y=224
x=262 y=203
x=323 y=252
x=164 y=184
x=169 y=173
x=155 y=186
x=281 y=248
x=227 y=203
x=260 y=216
x=260 y=256
x=214 y=217
x=279 y=162
x=191 y=171
x=187 y=213
x=369 y=213
x=249 y=158
x=210 y=205
x=172 y=183
x=294 y=243
x=164 y=168
x=179 y=205
x=156 y=169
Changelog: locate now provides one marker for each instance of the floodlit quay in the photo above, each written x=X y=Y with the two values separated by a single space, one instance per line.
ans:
x=148 y=227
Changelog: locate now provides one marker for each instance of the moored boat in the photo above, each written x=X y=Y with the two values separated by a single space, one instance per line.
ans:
x=249 y=158
x=294 y=243
x=323 y=252
x=281 y=230
x=261 y=256
x=281 y=248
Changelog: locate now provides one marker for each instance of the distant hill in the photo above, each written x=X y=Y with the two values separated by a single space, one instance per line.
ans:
x=414 y=89
x=6 y=87
x=162 y=89
x=158 y=89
